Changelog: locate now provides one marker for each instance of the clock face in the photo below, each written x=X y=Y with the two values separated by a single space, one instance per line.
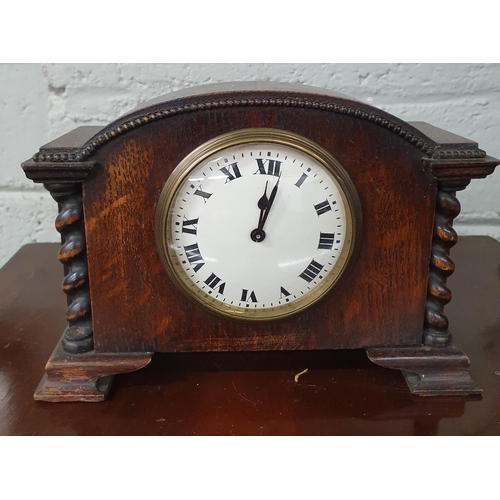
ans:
x=257 y=224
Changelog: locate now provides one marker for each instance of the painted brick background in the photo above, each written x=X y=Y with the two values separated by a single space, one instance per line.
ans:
x=39 y=102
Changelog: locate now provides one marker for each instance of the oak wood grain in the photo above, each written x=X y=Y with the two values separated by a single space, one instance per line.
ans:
x=380 y=302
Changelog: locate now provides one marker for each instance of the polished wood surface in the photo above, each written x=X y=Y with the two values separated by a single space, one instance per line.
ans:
x=260 y=393
x=380 y=302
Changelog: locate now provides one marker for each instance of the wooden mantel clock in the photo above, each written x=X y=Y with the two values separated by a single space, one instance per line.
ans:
x=256 y=216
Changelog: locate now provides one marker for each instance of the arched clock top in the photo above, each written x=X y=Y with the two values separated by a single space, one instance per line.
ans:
x=261 y=94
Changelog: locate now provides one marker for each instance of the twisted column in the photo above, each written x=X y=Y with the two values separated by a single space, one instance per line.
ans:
x=436 y=332
x=77 y=337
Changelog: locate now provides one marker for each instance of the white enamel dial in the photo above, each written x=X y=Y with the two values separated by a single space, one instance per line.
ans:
x=256 y=227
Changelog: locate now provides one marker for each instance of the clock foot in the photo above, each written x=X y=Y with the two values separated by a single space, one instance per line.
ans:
x=84 y=377
x=429 y=371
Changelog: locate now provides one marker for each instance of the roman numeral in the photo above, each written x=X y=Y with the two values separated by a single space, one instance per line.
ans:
x=322 y=207
x=326 y=240
x=231 y=175
x=311 y=271
x=187 y=223
x=303 y=177
x=246 y=297
x=203 y=194
x=194 y=256
x=284 y=292
x=213 y=282
x=273 y=167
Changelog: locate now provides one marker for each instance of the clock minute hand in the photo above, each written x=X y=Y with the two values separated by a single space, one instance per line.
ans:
x=269 y=205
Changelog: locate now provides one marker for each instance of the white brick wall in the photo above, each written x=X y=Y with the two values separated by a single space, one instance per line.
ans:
x=39 y=102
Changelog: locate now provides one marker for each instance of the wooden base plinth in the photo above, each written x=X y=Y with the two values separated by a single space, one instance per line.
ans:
x=84 y=377
x=429 y=371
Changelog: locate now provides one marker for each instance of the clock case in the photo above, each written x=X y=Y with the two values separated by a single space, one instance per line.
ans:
x=121 y=305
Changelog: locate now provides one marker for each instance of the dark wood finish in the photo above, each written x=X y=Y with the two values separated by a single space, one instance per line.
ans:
x=244 y=393
x=429 y=371
x=390 y=273
x=406 y=176
x=436 y=331
x=84 y=377
x=56 y=161
x=78 y=336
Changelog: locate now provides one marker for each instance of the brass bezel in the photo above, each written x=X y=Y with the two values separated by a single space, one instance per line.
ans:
x=248 y=136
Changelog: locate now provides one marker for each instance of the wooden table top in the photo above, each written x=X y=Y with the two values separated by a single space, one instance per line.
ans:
x=342 y=393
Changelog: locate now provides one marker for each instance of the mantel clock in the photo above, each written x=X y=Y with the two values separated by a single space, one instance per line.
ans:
x=256 y=216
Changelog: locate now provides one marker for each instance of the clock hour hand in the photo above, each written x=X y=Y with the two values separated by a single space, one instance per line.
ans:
x=262 y=204
x=258 y=234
